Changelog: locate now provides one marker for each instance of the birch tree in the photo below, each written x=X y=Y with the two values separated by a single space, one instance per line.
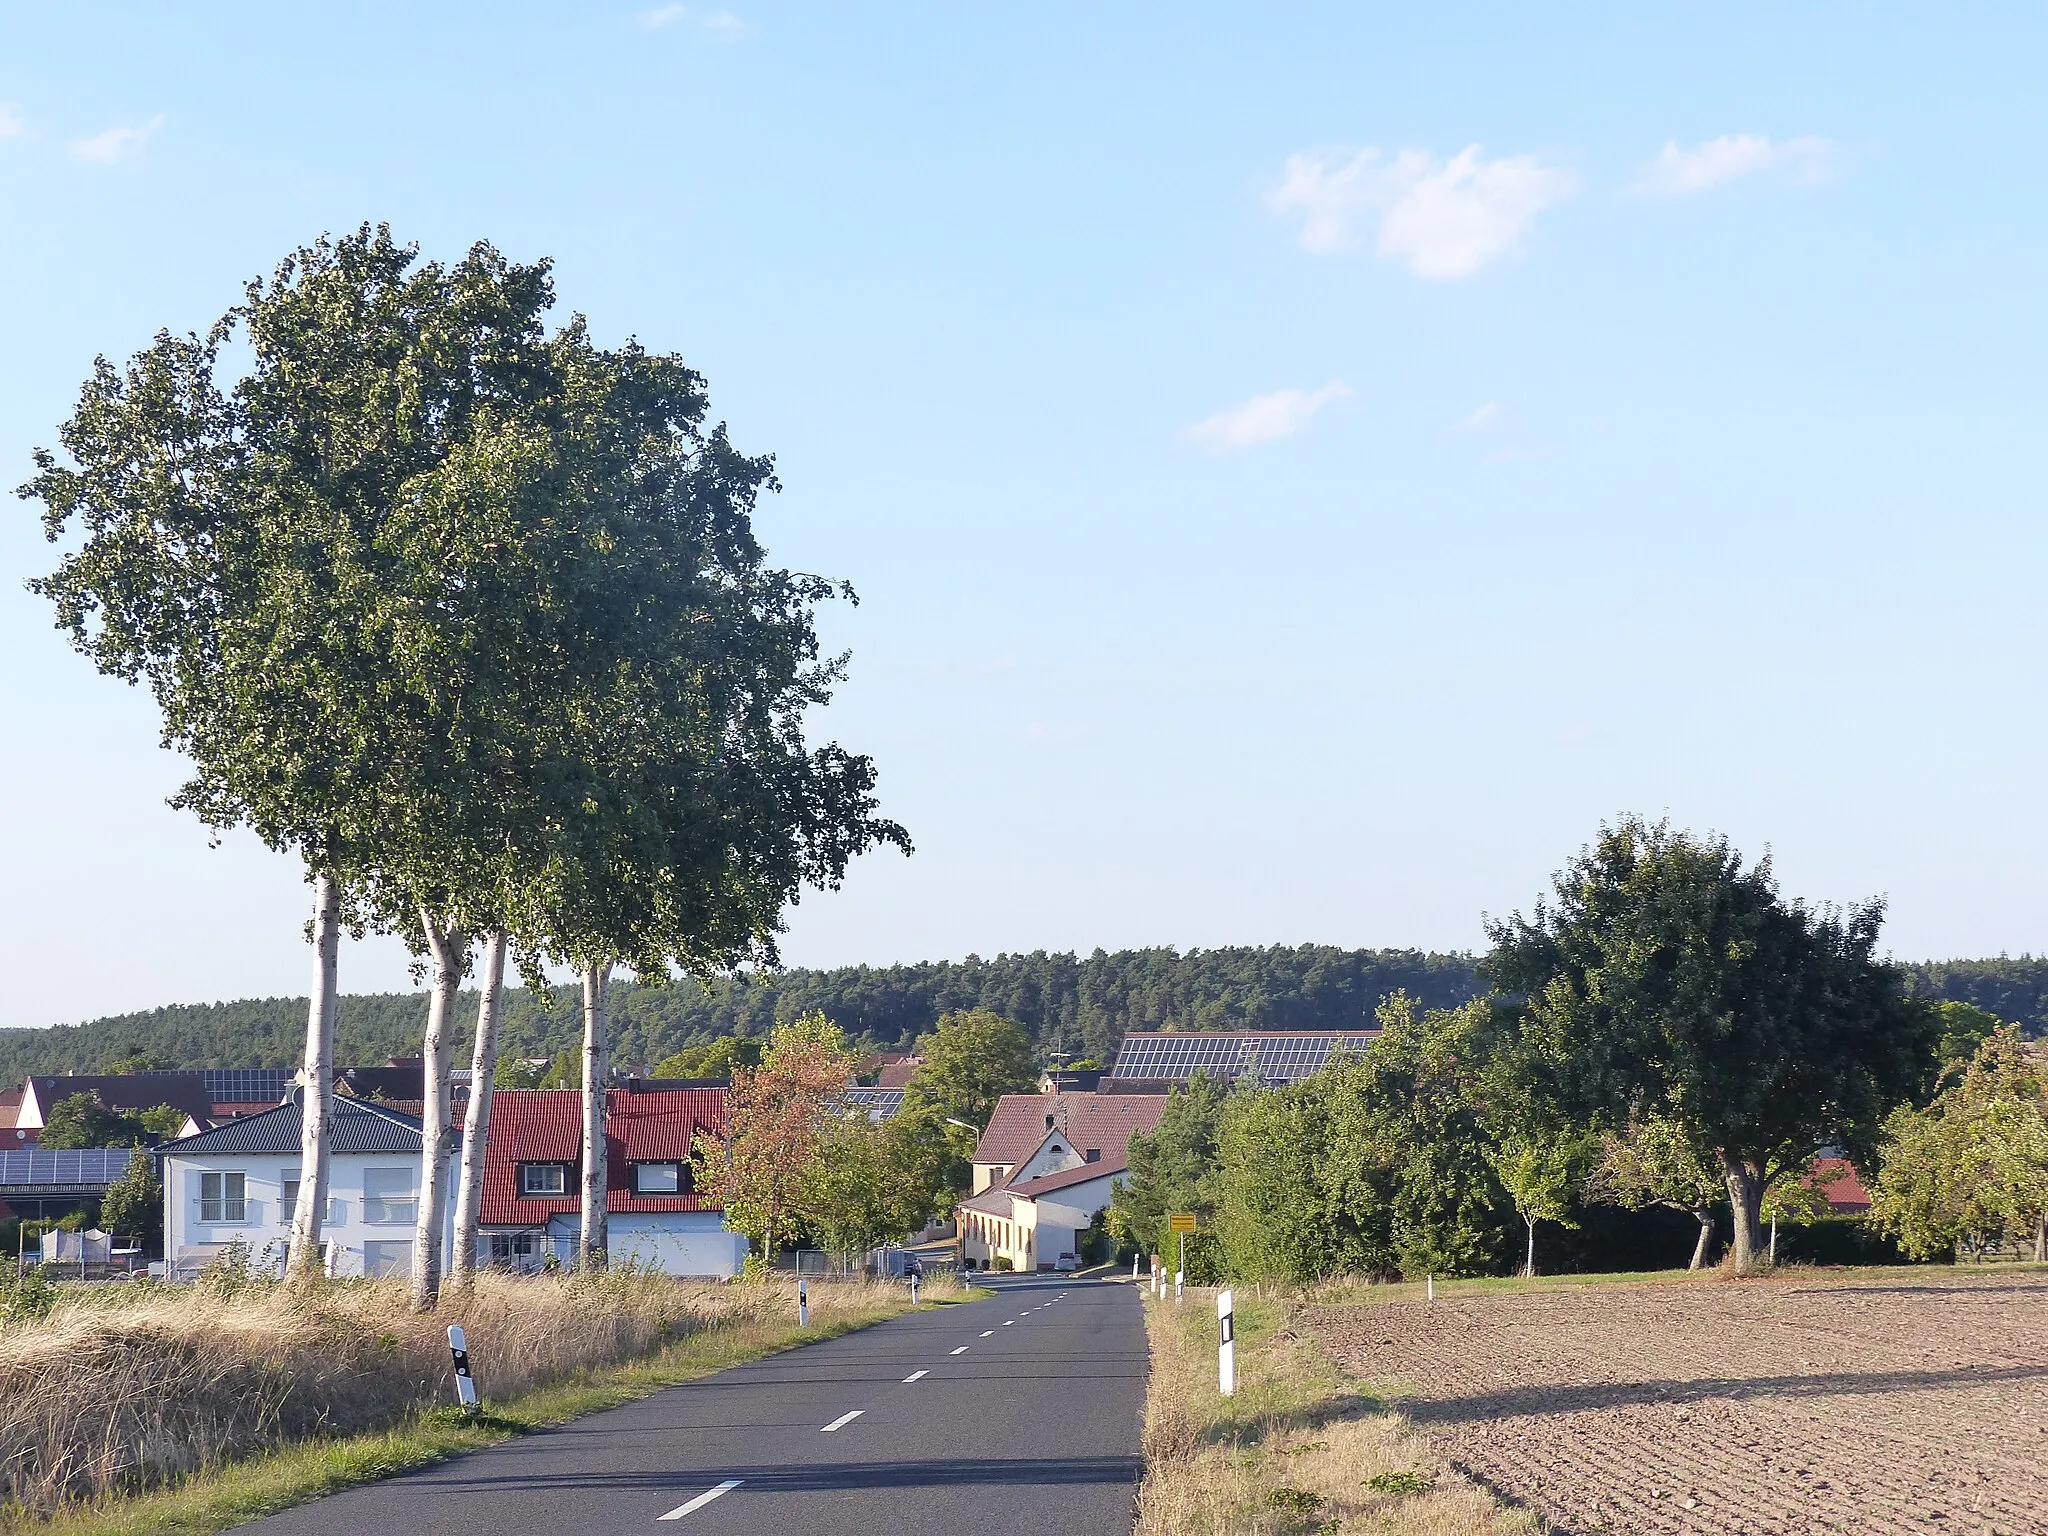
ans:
x=226 y=561
x=684 y=809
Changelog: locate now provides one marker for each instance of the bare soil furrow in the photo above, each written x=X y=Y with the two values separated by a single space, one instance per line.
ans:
x=1913 y=1403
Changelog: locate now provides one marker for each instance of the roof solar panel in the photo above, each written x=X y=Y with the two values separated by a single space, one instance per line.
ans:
x=1276 y=1058
x=26 y=1167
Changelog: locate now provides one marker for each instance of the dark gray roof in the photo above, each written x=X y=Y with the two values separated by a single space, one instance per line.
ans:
x=84 y=1167
x=356 y=1126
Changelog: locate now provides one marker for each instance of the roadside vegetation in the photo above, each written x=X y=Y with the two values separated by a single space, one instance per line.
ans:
x=238 y=1395
x=1666 y=1031
x=1298 y=1450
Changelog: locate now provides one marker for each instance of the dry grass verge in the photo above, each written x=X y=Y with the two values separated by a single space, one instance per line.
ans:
x=1298 y=1450
x=122 y=1390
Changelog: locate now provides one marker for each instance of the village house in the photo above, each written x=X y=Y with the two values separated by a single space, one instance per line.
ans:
x=239 y=1183
x=531 y=1207
x=1044 y=1169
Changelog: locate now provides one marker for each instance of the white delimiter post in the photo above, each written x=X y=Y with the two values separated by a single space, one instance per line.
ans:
x=465 y=1388
x=803 y=1303
x=1226 y=1349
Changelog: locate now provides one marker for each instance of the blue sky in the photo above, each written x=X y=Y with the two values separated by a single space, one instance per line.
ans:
x=1303 y=467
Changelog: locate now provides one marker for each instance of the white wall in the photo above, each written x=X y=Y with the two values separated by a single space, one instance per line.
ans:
x=695 y=1243
x=264 y=1229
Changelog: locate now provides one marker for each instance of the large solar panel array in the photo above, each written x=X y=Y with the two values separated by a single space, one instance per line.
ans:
x=247 y=1085
x=30 y=1167
x=1279 y=1058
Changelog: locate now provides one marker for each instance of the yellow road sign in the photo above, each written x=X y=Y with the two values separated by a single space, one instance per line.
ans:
x=1182 y=1222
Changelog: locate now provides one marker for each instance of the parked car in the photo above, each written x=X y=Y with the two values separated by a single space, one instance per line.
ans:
x=1066 y=1262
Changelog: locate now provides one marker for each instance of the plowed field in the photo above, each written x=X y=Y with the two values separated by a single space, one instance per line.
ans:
x=1916 y=1402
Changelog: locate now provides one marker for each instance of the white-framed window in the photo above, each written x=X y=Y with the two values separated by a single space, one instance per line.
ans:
x=223 y=1197
x=388 y=1199
x=387 y=1258
x=657 y=1178
x=543 y=1178
x=288 y=1204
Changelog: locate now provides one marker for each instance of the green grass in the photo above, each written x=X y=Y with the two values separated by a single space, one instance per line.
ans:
x=245 y=1490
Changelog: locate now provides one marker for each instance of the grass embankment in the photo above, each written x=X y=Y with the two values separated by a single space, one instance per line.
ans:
x=1298 y=1450
x=131 y=1410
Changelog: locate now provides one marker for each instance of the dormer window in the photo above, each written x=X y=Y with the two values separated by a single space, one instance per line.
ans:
x=657 y=1178
x=543 y=1178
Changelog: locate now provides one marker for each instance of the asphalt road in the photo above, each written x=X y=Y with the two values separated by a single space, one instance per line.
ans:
x=1014 y=1415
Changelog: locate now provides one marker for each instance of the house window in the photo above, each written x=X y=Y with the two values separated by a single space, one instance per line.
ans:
x=388 y=1197
x=543 y=1178
x=288 y=1207
x=223 y=1197
x=387 y=1259
x=509 y=1246
x=656 y=1178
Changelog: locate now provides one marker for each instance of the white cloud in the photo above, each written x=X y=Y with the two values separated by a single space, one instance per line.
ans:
x=1443 y=218
x=1263 y=418
x=1485 y=419
x=722 y=23
x=1677 y=171
x=12 y=123
x=116 y=144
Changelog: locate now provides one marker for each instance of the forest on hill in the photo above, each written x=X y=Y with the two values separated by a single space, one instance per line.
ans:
x=1080 y=1004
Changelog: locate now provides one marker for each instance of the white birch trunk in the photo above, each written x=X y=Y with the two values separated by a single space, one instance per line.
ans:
x=1529 y=1264
x=317 y=1096
x=476 y=1121
x=597 y=1073
x=451 y=958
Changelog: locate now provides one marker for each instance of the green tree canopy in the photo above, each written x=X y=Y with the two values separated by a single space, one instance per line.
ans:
x=971 y=1060
x=134 y=1204
x=1174 y=1168
x=714 y=1058
x=1666 y=979
x=1378 y=1164
x=81 y=1120
x=1973 y=1166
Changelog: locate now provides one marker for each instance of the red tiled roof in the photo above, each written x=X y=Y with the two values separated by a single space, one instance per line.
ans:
x=10 y=1106
x=545 y=1125
x=1045 y=1185
x=1105 y=1123
x=1839 y=1183
x=897 y=1074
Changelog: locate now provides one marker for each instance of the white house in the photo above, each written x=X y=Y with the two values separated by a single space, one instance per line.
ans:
x=1045 y=1168
x=240 y=1181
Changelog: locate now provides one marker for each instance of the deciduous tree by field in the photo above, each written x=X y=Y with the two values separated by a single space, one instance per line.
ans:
x=1379 y=1164
x=1653 y=1161
x=1664 y=978
x=1973 y=1166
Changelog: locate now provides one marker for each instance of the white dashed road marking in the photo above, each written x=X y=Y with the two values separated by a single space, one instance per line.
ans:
x=1011 y=1323
x=912 y=1377
x=703 y=1498
x=842 y=1421
x=963 y=1348
x=989 y=1334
